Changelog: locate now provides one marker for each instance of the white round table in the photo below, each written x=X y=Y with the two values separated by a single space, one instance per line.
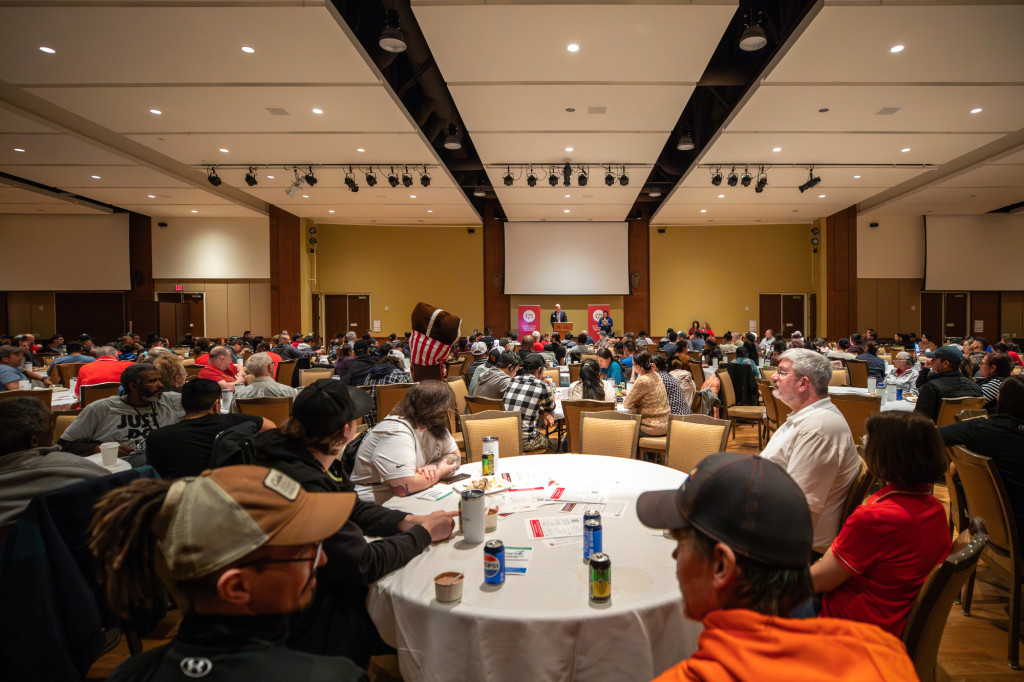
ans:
x=541 y=625
x=901 y=405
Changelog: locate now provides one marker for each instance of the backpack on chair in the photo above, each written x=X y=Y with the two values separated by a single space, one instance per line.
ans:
x=234 y=445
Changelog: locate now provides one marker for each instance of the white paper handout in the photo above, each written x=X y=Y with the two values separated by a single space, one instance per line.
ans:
x=563 y=494
x=517 y=559
x=436 y=492
x=555 y=527
x=614 y=508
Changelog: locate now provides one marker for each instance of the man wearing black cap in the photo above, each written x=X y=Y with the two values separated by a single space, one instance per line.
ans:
x=942 y=379
x=361 y=366
x=743 y=545
x=307 y=448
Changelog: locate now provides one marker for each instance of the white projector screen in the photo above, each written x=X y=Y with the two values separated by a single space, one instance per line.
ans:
x=567 y=259
x=975 y=252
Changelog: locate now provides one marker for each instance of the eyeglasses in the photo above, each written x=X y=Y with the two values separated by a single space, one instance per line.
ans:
x=315 y=559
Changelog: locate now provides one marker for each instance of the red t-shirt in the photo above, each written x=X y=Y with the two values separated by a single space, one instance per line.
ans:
x=538 y=347
x=276 y=358
x=203 y=359
x=214 y=374
x=105 y=369
x=889 y=545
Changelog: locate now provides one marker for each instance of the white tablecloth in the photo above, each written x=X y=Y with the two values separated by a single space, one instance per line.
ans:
x=541 y=626
x=119 y=465
x=904 y=405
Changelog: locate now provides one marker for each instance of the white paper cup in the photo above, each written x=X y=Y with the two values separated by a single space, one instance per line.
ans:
x=491 y=520
x=448 y=586
x=871 y=385
x=108 y=453
x=24 y=384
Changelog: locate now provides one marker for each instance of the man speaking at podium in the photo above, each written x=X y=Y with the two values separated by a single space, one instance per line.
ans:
x=558 y=316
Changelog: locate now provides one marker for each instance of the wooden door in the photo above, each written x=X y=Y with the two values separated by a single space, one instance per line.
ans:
x=317 y=332
x=985 y=315
x=793 y=314
x=182 y=319
x=359 y=313
x=812 y=317
x=955 y=314
x=931 y=316
x=166 y=327
x=99 y=314
x=145 y=317
x=769 y=315
x=196 y=314
x=335 y=314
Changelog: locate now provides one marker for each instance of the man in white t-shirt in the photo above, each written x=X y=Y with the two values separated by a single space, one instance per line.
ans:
x=814 y=445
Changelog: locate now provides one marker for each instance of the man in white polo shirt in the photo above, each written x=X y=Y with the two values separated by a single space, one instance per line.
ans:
x=814 y=445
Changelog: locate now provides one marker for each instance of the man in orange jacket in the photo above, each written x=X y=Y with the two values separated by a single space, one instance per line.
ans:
x=743 y=547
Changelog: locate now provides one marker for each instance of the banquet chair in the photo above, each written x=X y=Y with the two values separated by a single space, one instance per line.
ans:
x=457 y=368
x=950 y=407
x=478 y=404
x=587 y=356
x=958 y=516
x=771 y=412
x=308 y=376
x=574 y=372
x=286 y=371
x=93 y=392
x=697 y=372
x=193 y=371
x=554 y=374
x=987 y=498
x=453 y=428
x=66 y=371
x=964 y=415
x=461 y=393
x=857 y=492
x=276 y=410
x=452 y=369
x=856 y=409
x=923 y=632
x=768 y=372
x=388 y=396
x=507 y=427
x=61 y=423
x=609 y=433
x=572 y=410
x=694 y=355
x=858 y=370
x=840 y=377
x=44 y=397
x=691 y=438
x=746 y=414
x=730 y=357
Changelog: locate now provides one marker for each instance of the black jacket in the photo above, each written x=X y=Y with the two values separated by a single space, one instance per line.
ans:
x=358 y=369
x=249 y=648
x=939 y=385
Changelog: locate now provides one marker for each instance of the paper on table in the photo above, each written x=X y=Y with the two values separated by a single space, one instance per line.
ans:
x=562 y=542
x=436 y=492
x=517 y=559
x=526 y=478
x=614 y=508
x=578 y=495
x=555 y=527
x=527 y=500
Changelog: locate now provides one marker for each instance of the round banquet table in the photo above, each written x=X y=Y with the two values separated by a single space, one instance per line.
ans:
x=901 y=405
x=541 y=625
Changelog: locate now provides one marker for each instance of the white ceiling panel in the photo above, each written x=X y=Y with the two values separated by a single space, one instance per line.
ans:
x=557 y=199
x=1015 y=158
x=588 y=148
x=378 y=196
x=194 y=211
x=460 y=214
x=80 y=176
x=747 y=212
x=963 y=43
x=790 y=176
x=300 y=43
x=851 y=148
x=60 y=208
x=708 y=197
x=51 y=150
x=979 y=199
x=164 y=195
x=995 y=175
x=543 y=107
x=855 y=108
x=525 y=43
x=238 y=109
x=18 y=195
x=576 y=212
x=11 y=122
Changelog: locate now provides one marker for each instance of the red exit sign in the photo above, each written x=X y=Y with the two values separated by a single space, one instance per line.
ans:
x=178 y=287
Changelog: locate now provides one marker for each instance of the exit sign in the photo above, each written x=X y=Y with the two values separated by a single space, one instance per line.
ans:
x=178 y=287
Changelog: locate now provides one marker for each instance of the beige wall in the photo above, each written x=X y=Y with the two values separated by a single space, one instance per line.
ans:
x=211 y=248
x=715 y=274
x=31 y=312
x=1012 y=313
x=575 y=308
x=400 y=266
x=231 y=306
x=889 y=306
x=893 y=250
x=307 y=264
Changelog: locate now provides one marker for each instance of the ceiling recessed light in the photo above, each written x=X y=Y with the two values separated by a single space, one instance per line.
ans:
x=305 y=196
x=155 y=111
x=905 y=150
x=565 y=210
x=568 y=196
x=721 y=196
x=151 y=196
x=896 y=48
x=195 y=211
x=568 y=149
x=821 y=196
x=573 y=47
x=976 y=110
x=703 y=210
x=225 y=151
x=270 y=177
x=856 y=177
x=318 y=111
x=360 y=150
x=776 y=149
x=330 y=210
x=18 y=149
x=430 y=210
x=412 y=196
x=47 y=50
x=248 y=50
x=95 y=177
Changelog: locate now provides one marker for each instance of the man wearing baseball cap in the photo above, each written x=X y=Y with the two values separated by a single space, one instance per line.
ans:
x=743 y=545
x=942 y=379
x=238 y=548
x=308 y=448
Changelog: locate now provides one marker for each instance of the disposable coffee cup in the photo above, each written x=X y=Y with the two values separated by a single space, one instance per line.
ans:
x=108 y=453
x=871 y=385
x=448 y=586
x=491 y=520
x=24 y=384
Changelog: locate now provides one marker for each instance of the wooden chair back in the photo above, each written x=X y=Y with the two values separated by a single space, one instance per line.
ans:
x=66 y=371
x=856 y=409
x=44 y=397
x=276 y=410
x=454 y=370
x=478 y=404
x=730 y=357
x=506 y=426
x=857 y=492
x=574 y=372
x=694 y=354
x=858 y=370
x=727 y=393
x=61 y=424
x=308 y=376
x=840 y=377
x=697 y=372
x=950 y=407
x=588 y=356
x=554 y=374
x=609 y=433
x=461 y=392
x=771 y=411
x=987 y=498
x=387 y=397
x=286 y=372
x=927 y=620
x=180 y=350
x=193 y=371
x=93 y=392
x=958 y=517
x=768 y=372
x=692 y=437
x=572 y=410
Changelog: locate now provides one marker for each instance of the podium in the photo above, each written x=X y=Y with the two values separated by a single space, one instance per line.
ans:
x=563 y=328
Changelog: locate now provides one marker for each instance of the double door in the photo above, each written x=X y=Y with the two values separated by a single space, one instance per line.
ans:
x=784 y=314
x=343 y=313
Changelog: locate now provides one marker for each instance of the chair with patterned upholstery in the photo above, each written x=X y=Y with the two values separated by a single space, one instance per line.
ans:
x=93 y=392
x=856 y=410
x=507 y=427
x=308 y=376
x=950 y=407
x=388 y=396
x=692 y=437
x=276 y=410
x=610 y=433
x=572 y=409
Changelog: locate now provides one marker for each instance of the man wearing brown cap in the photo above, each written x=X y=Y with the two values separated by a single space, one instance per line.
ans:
x=236 y=575
x=743 y=545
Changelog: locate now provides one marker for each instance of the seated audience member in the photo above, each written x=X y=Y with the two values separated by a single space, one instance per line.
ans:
x=27 y=467
x=743 y=542
x=727 y=345
x=307 y=448
x=842 y=352
x=410 y=449
x=557 y=348
x=975 y=351
x=648 y=397
x=479 y=350
x=1000 y=437
x=12 y=371
x=126 y=419
x=388 y=370
x=778 y=349
x=237 y=347
x=75 y=354
x=643 y=339
x=344 y=357
x=995 y=368
x=671 y=346
x=202 y=351
x=610 y=368
x=222 y=370
x=27 y=342
x=626 y=350
x=590 y=385
x=943 y=379
x=183 y=449
x=796 y=340
x=903 y=373
x=494 y=380
x=753 y=351
x=236 y=576
x=275 y=359
x=814 y=445
x=856 y=345
x=743 y=358
x=876 y=365
x=492 y=356
x=706 y=329
x=106 y=369
x=360 y=367
x=55 y=345
x=87 y=343
x=539 y=341
x=602 y=339
x=531 y=395
x=677 y=402
x=679 y=369
x=711 y=352
x=1012 y=351
x=767 y=342
x=888 y=546
x=259 y=366
x=285 y=349
x=696 y=341
x=172 y=371
x=925 y=344
x=126 y=351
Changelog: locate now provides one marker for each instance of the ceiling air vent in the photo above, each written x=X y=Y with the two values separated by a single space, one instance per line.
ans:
x=887 y=111
x=597 y=110
x=277 y=111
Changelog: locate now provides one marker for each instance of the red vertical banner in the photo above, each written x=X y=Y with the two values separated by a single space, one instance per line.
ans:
x=594 y=313
x=528 y=319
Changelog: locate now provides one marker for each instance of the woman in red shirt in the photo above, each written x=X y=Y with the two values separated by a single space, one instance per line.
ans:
x=889 y=545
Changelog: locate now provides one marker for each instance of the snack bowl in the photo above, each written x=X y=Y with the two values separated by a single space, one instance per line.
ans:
x=448 y=586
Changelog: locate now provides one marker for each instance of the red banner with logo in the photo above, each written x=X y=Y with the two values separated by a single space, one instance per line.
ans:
x=528 y=319
x=594 y=313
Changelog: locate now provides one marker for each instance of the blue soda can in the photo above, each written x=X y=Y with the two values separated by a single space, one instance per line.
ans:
x=591 y=514
x=899 y=394
x=494 y=562
x=592 y=542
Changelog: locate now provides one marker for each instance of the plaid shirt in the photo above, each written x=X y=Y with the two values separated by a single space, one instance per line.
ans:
x=531 y=396
x=396 y=377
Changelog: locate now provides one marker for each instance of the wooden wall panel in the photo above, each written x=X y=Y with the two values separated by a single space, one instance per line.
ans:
x=985 y=309
x=285 y=284
x=99 y=314
x=841 y=281
x=4 y=321
x=497 y=305
x=867 y=309
x=238 y=307
x=636 y=308
x=259 y=308
x=1011 y=314
x=909 y=317
x=140 y=264
x=887 y=305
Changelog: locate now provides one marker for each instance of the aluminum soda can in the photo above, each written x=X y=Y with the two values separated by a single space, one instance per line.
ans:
x=490 y=447
x=485 y=464
x=592 y=541
x=899 y=394
x=600 y=578
x=591 y=513
x=494 y=562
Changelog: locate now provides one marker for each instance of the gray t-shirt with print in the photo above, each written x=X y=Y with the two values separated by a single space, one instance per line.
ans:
x=114 y=420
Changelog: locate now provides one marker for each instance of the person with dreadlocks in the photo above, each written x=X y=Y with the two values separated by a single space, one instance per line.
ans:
x=238 y=548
